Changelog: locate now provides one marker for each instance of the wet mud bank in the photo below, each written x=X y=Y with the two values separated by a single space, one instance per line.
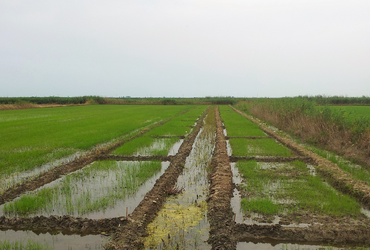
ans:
x=221 y=190
x=135 y=158
x=338 y=178
x=335 y=235
x=271 y=159
x=129 y=236
x=73 y=166
x=66 y=224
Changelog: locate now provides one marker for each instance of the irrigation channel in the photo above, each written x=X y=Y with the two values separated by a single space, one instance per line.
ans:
x=213 y=179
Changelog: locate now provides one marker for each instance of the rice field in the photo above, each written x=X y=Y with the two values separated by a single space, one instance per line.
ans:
x=161 y=177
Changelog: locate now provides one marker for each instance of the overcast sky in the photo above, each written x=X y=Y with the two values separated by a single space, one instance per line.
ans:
x=184 y=48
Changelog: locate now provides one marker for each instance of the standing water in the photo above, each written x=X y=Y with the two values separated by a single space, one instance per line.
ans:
x=182 y=223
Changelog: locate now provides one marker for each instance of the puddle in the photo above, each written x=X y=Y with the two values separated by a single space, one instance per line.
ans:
x=282 y=246
x=228 y=148
x=312 y=169
x=160 y=145
x=57 y=241
x=365 y=212
x=103 y=189
x=182 y=222
x=175 y=148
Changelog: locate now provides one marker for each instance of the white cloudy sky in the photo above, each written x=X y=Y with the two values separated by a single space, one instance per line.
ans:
x=184 y=48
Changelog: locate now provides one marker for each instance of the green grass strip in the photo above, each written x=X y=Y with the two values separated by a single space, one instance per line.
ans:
x=237 y=125
x=264 y=206
x=260 y=147
x=357 y=172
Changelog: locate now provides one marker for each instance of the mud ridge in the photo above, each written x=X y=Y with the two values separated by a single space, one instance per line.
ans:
x=221 y=190
x=316 y=233
x=247 y=137
x=130 y=235
x=338 y=178
x=135 y=158
x=272 y=159
x=169 y=136
x=70 y=167
x=65 y=224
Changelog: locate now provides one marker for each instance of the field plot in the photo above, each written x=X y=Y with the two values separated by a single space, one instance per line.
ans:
x=103 y=189
x=31 y=140
x=292 y=200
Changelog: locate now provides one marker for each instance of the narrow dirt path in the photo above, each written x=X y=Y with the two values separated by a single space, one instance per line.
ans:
x=128 y=236
x=70 y=167
x=221 y=190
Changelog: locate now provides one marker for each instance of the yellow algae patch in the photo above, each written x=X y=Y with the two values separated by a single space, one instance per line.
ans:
x=174 y=222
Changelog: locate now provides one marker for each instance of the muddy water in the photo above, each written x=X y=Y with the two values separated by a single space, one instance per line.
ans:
x=132 y=201
x=283 y=246
x=57 y=241
x=182 y=223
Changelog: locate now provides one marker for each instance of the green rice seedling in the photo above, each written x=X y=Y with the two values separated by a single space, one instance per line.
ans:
x=21 y=244
x=260 y=147
x=237 y=125
x=259 y=205
x=93 y=188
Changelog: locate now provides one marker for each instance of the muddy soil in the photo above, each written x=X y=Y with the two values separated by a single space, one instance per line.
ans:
x=221 y=190
x=336 y=234
x=136 y=158
x=70 y=167
x=271 y=159
x=338 y=178
x=66 y=224
x=247 y=137
x=129 y=236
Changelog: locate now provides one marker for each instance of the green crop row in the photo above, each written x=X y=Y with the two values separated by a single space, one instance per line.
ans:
x=238 y=125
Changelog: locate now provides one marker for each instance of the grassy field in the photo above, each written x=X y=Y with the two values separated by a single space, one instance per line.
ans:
x=353 y=112
x=33 y=137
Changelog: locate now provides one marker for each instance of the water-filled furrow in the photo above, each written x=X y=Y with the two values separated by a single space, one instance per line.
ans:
x=182 y=222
